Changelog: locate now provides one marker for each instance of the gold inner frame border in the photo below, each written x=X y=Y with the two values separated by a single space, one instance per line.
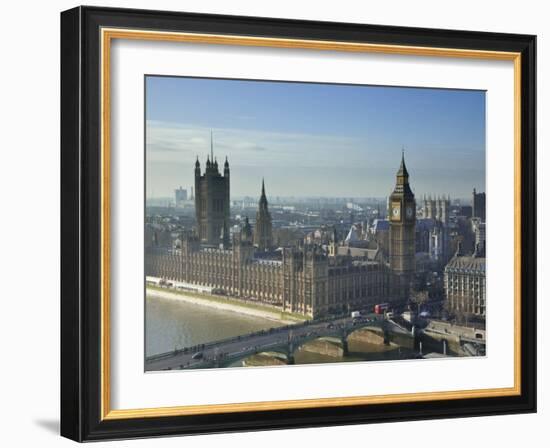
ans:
x=107 y=35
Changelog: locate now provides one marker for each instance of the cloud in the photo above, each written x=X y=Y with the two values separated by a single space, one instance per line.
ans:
x=179 y=142
x=306 y=164
x=161 y=138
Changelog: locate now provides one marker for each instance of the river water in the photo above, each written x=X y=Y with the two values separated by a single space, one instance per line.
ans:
x=171 y=324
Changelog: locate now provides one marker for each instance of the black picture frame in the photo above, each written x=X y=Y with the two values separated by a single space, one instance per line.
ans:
x=81 y=224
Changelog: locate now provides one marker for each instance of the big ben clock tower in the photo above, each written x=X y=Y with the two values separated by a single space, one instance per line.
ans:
x=402 y=216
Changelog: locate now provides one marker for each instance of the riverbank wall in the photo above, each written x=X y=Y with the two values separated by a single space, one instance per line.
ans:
x=226 y=304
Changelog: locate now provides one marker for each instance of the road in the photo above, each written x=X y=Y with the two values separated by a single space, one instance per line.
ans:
x=225 y=351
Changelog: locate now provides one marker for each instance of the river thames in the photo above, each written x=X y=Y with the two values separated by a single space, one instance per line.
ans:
x=174 y=324
x=177 y=324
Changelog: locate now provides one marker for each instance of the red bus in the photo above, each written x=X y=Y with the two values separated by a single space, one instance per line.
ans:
x=381 y=308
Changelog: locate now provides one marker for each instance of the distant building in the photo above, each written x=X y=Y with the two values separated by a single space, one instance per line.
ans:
x=478 y=227
x=352 y=237
x=246 y=231
x=381 y=230
x=181 y=196
x=464 y=279
x=465 y=210
x=157 y=236
x=439 y=245
x=436 y=208
x=424 y=229
x=478 y=205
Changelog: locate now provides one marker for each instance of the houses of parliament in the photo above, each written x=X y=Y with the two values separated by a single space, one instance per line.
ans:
x=308 y=279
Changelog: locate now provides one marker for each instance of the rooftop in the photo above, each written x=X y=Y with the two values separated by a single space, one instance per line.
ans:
x=467 y=263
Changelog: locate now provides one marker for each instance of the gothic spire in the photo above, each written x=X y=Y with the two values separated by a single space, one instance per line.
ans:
x=226 y=168
x=263 y=198
x=211 y=145
x=402 y=182
x=403 y=168
x=263 y=232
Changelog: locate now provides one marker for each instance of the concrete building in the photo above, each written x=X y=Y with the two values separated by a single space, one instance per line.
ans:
x=464 y=280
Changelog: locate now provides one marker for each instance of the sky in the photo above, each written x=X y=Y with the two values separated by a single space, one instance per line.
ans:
x=311 y=139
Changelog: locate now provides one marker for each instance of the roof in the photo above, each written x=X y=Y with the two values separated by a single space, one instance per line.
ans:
x=352 y=235
x=403 y=168
x=425 y=224
x=381 y=224
x=468 y=264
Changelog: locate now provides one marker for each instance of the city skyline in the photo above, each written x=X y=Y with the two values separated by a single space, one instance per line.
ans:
x=353 y=142
x=343 y=295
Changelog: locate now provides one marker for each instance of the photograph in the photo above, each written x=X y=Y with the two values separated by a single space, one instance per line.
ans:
x=291 y=223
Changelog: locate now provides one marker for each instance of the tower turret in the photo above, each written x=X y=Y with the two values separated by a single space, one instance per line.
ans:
x=212 y=200
x=226 y=168
x=246 y=231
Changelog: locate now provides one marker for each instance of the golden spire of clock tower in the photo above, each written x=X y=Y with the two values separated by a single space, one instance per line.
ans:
x=402 y=168
x=402 y=179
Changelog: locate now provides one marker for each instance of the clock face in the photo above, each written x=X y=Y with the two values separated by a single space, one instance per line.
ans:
x=409 y=212
x=395 y=211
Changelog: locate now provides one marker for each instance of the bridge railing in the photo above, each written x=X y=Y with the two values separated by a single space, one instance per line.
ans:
x=244 y=337
x=274 y=330
x=338 y=331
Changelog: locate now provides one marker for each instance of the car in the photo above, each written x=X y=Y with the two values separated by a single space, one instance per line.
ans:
x=197 y=355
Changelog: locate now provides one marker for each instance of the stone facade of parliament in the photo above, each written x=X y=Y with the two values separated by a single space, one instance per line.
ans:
x=307 y=279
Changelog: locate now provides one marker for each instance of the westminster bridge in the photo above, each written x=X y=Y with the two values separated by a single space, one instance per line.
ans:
x=282 y=340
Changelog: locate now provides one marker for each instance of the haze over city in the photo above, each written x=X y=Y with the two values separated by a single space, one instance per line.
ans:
x=322 y=140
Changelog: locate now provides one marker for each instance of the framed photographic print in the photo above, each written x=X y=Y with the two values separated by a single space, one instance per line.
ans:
x=273 y=223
